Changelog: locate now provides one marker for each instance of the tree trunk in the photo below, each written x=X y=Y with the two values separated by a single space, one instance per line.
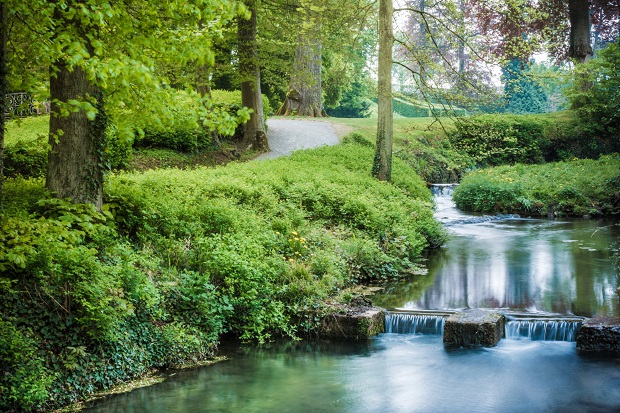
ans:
x=580 y=48
x=254 y=135
x=304 y=96
x=382 y=165
x=75 y=167
x=3 y=91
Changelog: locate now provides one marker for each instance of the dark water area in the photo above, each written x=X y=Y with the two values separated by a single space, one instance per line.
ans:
x=531 y=267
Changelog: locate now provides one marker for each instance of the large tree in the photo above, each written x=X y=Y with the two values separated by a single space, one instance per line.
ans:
x=102 y=57
x=304 y=96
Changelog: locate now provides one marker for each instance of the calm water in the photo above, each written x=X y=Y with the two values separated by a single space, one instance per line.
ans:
x=527 y=265
x=534 y=265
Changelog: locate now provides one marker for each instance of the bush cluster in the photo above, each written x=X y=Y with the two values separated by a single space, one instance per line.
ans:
x=176 y=259
x=573 y=188
x=492 y=140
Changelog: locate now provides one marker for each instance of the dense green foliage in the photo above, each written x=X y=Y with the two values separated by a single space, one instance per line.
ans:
x=505 y=139
x=178 y=258
x=574 y=188
x=596 y=98
x=522 y=92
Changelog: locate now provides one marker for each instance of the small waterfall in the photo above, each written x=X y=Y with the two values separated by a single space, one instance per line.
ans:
x=442 y=189
x=544 y=329
x=408 y=323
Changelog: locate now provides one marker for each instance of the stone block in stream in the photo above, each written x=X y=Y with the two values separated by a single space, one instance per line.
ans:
x=353 y=323
x=601 y=334
x=473 y=328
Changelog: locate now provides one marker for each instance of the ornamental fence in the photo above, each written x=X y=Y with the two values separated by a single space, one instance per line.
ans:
x=21 y=104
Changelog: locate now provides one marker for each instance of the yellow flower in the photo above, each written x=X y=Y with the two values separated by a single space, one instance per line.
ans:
x=293 y=233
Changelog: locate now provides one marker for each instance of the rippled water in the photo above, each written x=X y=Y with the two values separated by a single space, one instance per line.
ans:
x=535 y=266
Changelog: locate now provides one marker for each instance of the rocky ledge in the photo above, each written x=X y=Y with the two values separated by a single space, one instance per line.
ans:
x=353 y=323
x=599 y=334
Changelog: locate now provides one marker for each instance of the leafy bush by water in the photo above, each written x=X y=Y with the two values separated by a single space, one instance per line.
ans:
x=575 y=188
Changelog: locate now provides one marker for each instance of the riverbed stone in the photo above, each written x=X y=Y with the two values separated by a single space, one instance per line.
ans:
x=353 y=324
x=473 y=328
x=599 y=334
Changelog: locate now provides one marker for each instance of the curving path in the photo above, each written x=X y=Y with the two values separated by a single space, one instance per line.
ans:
x=288 y=135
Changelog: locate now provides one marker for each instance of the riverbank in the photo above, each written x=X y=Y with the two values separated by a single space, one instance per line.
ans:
x=178 y=258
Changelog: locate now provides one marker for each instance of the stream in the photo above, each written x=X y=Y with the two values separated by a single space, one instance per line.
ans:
x=536 y=269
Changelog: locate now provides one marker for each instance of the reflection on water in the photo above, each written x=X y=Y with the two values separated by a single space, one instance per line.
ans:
x=392 y=373
x=562 y=266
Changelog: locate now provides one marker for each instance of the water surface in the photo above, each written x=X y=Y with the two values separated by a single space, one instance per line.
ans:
x=559 y=266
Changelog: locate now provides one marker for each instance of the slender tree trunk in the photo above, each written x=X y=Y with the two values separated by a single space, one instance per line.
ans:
x=461 y=40
x=254 y=135
x=3 y=91
x=580 y=48
x=382 y=165
x=75 y=167
x=304 y=95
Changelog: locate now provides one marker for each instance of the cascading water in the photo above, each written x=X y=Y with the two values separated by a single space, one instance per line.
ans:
x=545 y=330
x=407 y=323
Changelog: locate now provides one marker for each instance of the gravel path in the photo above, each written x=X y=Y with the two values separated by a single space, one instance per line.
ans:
x=288 y=135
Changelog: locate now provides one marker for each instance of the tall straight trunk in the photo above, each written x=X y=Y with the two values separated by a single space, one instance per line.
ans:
x=461 y=40
x=304 y=96
x=254 y=135
x=382 y=165
x=3 y=90
x=74 y=168
x=580 y=48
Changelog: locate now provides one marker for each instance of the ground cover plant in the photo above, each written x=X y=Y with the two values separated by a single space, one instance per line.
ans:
x=178 y=259
x=573 y=188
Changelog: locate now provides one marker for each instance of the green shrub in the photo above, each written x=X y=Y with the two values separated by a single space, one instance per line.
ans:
x=576 y=188
x=178 y=258
x=498 y=140
x=24 y=379
x=26 y=158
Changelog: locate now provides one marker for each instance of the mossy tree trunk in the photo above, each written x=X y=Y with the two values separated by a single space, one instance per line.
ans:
x=254 y=135
x=75 y=161
x=304 y=96
x=382 y=165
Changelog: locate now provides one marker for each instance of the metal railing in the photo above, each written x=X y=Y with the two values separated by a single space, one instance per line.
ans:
x=21 y=104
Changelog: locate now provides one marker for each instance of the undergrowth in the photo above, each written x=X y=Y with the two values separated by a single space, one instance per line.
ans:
x=178 y=259
x=574 y=188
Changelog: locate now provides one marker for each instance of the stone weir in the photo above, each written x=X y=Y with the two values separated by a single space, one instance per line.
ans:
x=473 y=327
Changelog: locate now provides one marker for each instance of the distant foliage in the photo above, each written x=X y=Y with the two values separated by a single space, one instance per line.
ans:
x=595 y=96
x=506 y=139
x=498 y=140
x=354 y=103
x=522 y=91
